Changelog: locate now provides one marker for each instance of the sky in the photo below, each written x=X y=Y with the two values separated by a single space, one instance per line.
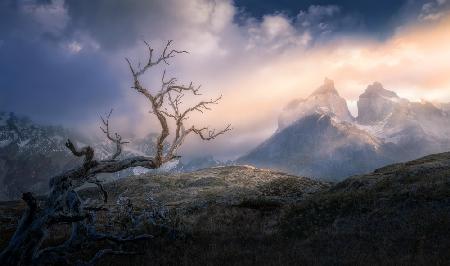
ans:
x=62 y=61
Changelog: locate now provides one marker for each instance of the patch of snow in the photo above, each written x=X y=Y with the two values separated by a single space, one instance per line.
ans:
x=23 y=143
x=247 y=166
x=4 y=143
x=169 y=165
x=219 y=166
x=376 y=129
x=139 y=170
x=134 y=151
x=58 y=138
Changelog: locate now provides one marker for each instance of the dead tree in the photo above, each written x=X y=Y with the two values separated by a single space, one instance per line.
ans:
x=63 y=205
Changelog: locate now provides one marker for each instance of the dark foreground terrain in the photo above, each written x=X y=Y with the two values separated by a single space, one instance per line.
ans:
x=239 y=215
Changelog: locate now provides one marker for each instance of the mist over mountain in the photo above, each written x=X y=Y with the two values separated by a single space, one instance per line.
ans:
x=31 y=154
x=318 y=136
x=324 y=99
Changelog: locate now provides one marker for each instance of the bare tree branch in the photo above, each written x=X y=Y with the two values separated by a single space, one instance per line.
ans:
x=102 y=189
x=116 y=138
x=212 y=134
x=63 y=205
x=162 y=58
x=156 y=101
x=180 y=132
x=87 y=152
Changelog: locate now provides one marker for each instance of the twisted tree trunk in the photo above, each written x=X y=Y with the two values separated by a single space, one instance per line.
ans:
x=64 y=206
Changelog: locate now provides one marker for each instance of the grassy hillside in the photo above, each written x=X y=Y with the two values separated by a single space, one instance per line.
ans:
x=239 y=215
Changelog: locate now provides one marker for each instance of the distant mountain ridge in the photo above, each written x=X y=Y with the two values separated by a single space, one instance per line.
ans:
x=318 y=136
x=31 y=153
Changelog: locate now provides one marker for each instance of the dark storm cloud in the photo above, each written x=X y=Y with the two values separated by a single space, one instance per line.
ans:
x=377 y=18
x=114 y=23
x=39 y=74
x=38 y=80
x=117 y=24
x=62 y=61
x=53 y=53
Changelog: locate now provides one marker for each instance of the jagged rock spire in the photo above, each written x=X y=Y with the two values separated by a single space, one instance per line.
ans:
x=326 y=88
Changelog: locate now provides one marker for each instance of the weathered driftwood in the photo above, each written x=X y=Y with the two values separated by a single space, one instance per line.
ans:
x=63 y=204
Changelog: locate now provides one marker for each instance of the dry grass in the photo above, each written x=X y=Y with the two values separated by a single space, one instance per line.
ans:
x=399 y=215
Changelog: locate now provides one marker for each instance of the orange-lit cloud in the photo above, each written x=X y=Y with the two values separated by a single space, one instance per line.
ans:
x=260 y=66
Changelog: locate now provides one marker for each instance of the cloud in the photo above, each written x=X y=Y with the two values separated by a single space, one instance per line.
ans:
x=316 y=14
x=434 y=10
x=51 y=18
x=275 y=32
x=64 y=61
x=414 y=62
x=74 y=47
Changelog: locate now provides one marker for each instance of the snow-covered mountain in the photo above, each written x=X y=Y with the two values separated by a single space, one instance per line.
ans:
x=395 y=120
x=318 y=136
x=324 y=99
x=319 y=145
x=31 y=153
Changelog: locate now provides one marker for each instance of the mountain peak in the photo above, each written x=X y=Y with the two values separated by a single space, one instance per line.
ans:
x=377 y=89
x=376 y=103
x=326 y=88
x=325 y=100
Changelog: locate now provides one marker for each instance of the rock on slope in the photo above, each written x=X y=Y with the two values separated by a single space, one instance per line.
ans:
x=239 y=215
